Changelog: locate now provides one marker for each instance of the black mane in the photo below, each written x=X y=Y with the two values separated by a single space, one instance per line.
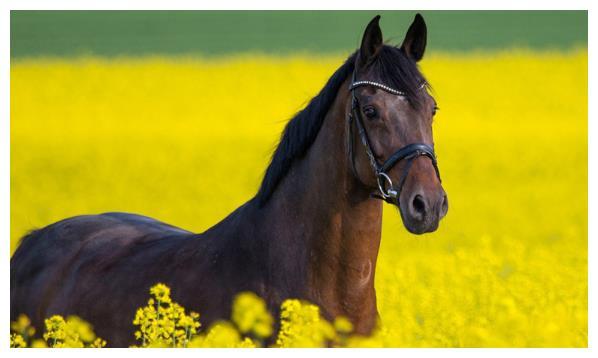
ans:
x=391 y=67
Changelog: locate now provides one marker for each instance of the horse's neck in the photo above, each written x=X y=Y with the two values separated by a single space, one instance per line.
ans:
x=330 y=224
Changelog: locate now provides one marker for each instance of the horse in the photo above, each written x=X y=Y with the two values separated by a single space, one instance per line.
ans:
x=311 y=232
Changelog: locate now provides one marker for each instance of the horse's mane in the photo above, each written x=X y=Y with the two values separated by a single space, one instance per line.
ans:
x=391 y=66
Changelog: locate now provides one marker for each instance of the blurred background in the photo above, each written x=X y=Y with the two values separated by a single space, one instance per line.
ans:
x=175 y=114
x=115 y=33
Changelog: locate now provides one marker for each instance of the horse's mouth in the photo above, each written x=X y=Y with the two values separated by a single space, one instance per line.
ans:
x=418 y=227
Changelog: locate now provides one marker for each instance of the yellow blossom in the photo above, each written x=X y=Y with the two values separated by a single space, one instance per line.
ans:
x=507 y=265
x=251 y=315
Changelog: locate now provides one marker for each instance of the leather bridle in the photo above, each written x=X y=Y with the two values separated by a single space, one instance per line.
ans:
x=409 y=152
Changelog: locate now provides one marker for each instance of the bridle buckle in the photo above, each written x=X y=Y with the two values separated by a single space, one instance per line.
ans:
x=382 y=179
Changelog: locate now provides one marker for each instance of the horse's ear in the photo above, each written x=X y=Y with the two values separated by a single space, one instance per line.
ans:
x=371 y=43
x=414 y=43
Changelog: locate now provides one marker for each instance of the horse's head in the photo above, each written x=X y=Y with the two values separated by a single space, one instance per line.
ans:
x=391 y=113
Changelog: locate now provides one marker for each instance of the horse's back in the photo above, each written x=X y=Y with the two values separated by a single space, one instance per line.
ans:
x=43 y=265
x=145 y=222
x=100 y=268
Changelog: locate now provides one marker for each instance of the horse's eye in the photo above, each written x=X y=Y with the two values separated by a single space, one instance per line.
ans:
x=370 y=112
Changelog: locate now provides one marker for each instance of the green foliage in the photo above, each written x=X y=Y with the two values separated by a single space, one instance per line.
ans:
x=71 y=33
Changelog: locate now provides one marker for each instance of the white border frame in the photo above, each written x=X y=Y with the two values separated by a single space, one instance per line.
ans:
x=7 y=5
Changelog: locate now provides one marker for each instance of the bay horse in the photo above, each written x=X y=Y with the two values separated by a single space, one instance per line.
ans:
x=312 y=231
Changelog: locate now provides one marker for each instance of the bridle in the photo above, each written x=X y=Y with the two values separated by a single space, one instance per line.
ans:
x=409 y=152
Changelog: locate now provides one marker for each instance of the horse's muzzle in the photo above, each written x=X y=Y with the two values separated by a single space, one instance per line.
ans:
x=421 y=212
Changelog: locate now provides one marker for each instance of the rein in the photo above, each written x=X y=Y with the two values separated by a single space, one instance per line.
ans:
x=409 y=152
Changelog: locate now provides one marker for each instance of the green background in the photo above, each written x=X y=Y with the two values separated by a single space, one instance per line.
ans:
x=133 y=33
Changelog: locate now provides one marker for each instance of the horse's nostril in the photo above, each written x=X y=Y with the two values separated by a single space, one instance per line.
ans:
x=418 y=206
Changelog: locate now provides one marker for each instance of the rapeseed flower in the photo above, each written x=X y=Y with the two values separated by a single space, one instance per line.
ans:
x=507 y=266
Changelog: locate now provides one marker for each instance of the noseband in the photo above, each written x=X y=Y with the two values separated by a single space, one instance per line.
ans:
x=409 y=152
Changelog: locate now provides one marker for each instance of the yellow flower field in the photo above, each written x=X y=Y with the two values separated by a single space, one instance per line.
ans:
x=186 y=140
